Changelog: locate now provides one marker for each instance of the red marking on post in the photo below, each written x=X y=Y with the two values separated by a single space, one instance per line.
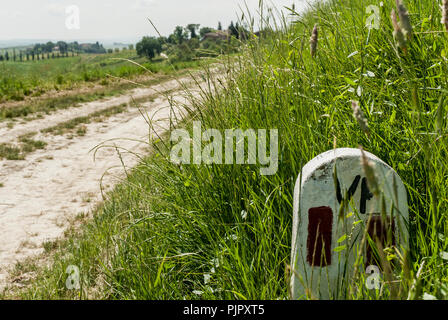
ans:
x=380 y=232
x=320 y=226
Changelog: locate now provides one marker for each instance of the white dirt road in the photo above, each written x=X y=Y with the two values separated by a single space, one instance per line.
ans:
x=42 y=193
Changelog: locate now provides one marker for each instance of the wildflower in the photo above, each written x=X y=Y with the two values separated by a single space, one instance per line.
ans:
x=313 y=41
x=444 y=255
x=207 y=278
x=405 y=22
x=360 y=118
x=445 y=13
x=398 y=33
x=198 y=292
x=427 y=296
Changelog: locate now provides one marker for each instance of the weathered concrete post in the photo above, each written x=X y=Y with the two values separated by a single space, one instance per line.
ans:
x=335 y=208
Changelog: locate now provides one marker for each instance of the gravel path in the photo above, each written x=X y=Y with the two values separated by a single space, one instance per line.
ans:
x=42 y=193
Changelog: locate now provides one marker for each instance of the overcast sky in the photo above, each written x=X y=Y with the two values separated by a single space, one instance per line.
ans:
x=117 y=19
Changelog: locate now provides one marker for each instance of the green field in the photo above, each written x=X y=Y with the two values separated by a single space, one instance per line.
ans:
x=224 y=232
x=19 y=80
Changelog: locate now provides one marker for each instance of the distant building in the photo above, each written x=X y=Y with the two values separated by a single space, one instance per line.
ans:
x=217 y=35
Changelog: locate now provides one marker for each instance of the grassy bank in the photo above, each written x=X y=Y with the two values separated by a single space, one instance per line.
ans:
x=224 y=232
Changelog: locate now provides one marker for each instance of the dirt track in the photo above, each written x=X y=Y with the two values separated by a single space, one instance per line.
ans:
x=42 y=193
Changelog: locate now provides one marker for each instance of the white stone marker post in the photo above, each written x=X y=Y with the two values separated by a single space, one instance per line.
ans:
x=333 y=180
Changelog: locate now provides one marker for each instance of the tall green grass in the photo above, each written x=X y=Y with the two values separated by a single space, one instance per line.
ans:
x=224 y=232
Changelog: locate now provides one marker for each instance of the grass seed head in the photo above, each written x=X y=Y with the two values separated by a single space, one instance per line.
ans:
x=360 y=118
x=445 y=14
x=399 y=36
x=405 y=21
x=369 y=170
x=313 y=40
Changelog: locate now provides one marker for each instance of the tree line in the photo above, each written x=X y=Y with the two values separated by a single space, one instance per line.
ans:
x=184 y=42
x=51 y=50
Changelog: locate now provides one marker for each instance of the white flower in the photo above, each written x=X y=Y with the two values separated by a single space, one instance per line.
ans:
x=215 y=262
x=359 y=91
x=444 y=255
x=427 y=296
x=197 y=292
